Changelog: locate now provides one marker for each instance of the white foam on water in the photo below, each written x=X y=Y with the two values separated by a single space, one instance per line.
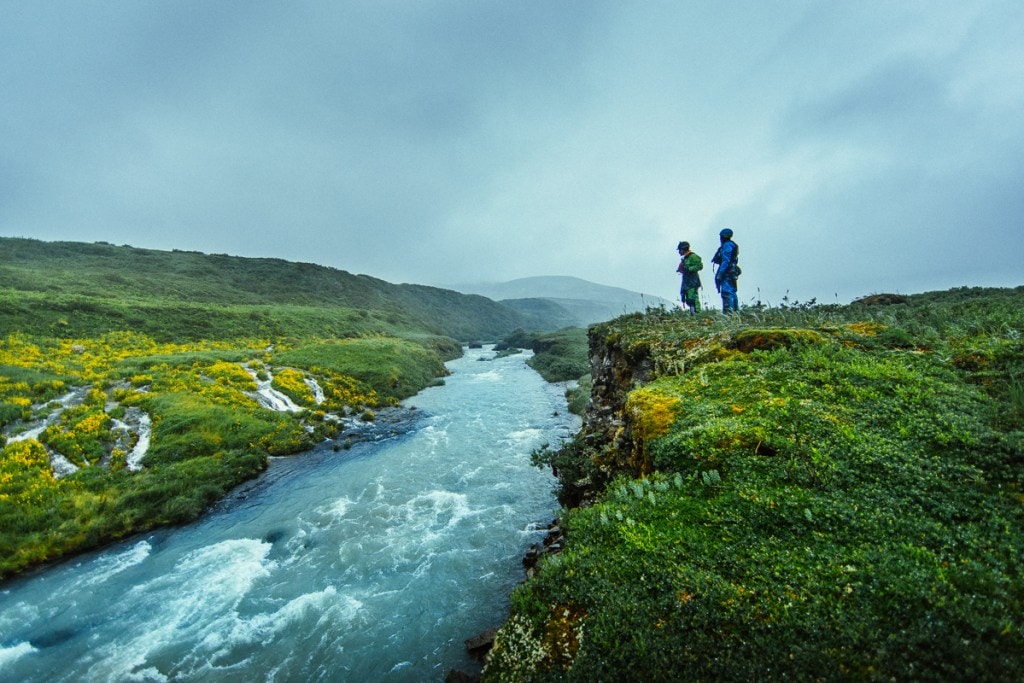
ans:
x=318 y=392
x=428 y=515
x=435 y=435
x=134 y=459
x=107 y=566
x=26 y=435
x=60 y=465
x=467 y=477
x=271 y=398
x=401 y=665
x=73 y=397
x=337 y=508
x=12 y=653
x=68 y=400
x=150 y=675
x=525 y=436
x=240 y=638
x=142 y=425
x=197 y=600
x=489 y=376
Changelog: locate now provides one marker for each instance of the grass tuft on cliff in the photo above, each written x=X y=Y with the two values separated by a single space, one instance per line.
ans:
x=811 y=493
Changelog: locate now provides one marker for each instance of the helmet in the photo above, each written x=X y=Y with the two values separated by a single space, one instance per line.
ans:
x=683 y=246
x=726 y=232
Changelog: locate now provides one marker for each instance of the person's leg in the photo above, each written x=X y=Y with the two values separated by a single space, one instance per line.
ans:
x=692 y=300
x=730 y=302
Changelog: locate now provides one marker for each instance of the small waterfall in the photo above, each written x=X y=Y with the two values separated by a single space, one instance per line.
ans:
x=138 y=422
x=318 y=391
x=271 y=398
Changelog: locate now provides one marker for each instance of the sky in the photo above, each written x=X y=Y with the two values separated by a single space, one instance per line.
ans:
x=854 y=147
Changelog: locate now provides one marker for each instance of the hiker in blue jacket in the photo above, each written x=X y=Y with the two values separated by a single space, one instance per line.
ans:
x=727 y=257
x=690 y=266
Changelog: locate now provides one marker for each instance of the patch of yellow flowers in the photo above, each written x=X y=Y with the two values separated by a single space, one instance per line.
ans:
x=35 y=371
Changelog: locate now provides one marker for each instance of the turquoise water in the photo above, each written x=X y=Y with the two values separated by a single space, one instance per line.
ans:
x=371 y=564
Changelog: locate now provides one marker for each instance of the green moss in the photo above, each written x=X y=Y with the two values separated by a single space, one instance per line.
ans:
x=650 y=413
x=767 y=339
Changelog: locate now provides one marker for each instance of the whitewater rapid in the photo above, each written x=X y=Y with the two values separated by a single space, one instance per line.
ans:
x=367 y=564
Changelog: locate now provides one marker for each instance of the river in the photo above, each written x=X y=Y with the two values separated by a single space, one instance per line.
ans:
x=368 y=564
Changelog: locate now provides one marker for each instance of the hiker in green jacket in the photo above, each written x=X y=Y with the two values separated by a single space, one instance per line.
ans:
x=689 y=266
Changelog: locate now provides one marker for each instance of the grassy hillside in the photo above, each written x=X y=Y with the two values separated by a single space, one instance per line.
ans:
x=75 y=289
x=826 y=493
x=137 y=387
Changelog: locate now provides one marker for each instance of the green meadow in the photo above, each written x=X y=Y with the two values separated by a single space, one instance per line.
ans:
x=802 y=493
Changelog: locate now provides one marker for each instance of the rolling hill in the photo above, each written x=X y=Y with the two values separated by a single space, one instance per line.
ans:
x=79 y=289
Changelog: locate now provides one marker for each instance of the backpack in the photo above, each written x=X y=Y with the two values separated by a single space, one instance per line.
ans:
x=736 y=270
x=692 y=263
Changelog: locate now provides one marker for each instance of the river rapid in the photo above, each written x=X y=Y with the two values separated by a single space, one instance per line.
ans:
x=368 y=564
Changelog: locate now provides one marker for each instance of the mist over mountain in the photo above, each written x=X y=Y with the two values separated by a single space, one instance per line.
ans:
x=573 y=301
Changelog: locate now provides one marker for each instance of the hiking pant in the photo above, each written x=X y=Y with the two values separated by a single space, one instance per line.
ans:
x=691 y=299
x=730 y=302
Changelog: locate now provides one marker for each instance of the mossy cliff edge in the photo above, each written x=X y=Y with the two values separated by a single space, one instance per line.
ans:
x=811 y=492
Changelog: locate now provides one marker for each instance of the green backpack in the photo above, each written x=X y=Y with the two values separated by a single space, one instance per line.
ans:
x=692 y=263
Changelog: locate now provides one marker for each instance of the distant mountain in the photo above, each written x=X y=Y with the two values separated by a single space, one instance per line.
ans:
x=569 y=300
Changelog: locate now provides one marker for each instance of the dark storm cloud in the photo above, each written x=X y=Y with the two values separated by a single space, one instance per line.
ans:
x=848 y=144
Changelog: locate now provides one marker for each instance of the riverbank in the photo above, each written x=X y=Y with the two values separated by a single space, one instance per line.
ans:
x=811 y=492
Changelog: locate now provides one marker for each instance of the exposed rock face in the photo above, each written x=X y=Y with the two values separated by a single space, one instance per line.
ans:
x=616 y=372
x=606 y=433
x=554 y=541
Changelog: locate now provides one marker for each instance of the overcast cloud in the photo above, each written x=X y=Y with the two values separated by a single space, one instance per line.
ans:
x=854 y=147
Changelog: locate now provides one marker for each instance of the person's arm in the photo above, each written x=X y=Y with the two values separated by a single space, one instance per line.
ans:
x=728 y=257
x=723 y=257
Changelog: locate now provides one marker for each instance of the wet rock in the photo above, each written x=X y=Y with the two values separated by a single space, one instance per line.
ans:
x=479 y=645
x=553 y=543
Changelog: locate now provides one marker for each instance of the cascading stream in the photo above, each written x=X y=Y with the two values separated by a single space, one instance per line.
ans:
x=362 y=565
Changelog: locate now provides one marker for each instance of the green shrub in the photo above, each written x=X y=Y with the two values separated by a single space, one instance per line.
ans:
x=579 y=396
